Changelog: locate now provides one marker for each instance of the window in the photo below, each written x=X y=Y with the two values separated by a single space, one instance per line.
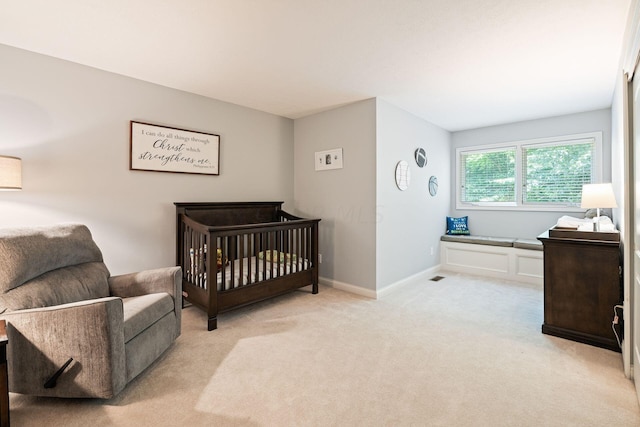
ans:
x=542 y=174
x=489 y=176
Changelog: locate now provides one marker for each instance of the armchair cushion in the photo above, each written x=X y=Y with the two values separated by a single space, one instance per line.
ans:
x=61 y=286
x=143 y=311
x=27 y=252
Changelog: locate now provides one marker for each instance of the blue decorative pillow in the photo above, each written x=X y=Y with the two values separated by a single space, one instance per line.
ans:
x=458 y=225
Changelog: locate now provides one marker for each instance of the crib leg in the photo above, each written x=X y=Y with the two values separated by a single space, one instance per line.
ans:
x=212 y=323
x=314 y=288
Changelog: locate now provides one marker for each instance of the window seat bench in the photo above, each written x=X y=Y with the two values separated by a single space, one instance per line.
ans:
x=500 y=257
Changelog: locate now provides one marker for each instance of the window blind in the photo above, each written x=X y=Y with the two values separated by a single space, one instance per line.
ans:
x=488 y=176
x=555 y=173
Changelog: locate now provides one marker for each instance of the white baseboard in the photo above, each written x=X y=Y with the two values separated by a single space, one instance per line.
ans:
x=423 y=275
x=347 y=287
x=521 y=265
x=377 y=294
x=503 y=262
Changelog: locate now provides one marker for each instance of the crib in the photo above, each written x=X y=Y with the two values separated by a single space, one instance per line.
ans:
x=237 y=253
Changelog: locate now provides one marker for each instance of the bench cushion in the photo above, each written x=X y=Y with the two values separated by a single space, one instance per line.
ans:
x=479 y=240
x=535 y=245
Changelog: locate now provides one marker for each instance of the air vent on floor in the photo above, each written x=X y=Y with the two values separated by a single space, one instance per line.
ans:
x=436 y=278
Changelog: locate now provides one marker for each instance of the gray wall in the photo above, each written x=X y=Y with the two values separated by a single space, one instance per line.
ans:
x=345 y=199
x=410 y=222
x=70 y=125
x=527 y=224
x=372 y=235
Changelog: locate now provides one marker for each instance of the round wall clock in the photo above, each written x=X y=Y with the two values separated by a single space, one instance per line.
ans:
x=421 y=157
x=433 y=185
x=403 y=175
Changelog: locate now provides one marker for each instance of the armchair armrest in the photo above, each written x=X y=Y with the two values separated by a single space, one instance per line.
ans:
x=42 y=339
x=167 y=280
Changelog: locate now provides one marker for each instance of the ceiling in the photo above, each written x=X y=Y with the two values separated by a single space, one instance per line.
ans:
x=460 y=64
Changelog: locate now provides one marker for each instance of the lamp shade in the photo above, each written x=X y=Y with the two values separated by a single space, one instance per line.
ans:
x=10 y=173
x=598 y=196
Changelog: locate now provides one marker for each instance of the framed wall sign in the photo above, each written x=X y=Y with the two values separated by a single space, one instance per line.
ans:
x=167 y=149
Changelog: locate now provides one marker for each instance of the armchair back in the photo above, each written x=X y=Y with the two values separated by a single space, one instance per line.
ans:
x=46 y=266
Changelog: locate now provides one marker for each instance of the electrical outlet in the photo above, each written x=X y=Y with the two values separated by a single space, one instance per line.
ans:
x=432 y=252
x=320 y=258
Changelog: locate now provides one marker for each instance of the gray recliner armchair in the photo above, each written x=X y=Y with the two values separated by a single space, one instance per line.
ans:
x=60 y=303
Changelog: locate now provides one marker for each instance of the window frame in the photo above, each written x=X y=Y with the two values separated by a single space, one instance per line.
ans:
x=519 y=205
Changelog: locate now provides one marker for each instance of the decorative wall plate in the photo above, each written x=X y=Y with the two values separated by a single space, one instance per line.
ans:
x=433 y=185
x=403 y=175
x=421 y=157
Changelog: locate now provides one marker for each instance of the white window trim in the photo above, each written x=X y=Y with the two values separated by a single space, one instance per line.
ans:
x=518 y=205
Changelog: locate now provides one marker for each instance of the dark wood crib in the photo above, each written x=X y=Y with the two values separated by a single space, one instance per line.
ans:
x=237 y=253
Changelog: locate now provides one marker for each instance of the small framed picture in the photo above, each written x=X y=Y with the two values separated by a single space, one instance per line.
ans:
x=329 y=159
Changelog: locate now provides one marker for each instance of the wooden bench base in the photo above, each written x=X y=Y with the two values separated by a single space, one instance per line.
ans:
x=511 y=259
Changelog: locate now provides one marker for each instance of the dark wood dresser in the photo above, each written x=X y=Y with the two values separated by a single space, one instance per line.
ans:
x=582 y=284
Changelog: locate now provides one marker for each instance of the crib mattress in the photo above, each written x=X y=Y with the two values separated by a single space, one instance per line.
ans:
x=253 y=271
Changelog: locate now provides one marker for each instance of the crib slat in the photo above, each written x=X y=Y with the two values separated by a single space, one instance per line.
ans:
x=308 y=241
x=194 y=246
x=264 y=258
x=249 y=250
x=197 y=268
x=202 y=249
x=240 y=259
x=186 y=263
x=275 y=254
x=224 y=247
x=298 y=245
x=231 y=254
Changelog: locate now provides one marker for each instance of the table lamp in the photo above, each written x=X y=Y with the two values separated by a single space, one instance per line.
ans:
x=10 y=173
x=598 y=196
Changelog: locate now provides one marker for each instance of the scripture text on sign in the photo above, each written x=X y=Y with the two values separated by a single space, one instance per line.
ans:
x=165 y=149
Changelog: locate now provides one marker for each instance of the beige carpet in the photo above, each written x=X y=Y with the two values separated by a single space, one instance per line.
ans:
x=463 y=351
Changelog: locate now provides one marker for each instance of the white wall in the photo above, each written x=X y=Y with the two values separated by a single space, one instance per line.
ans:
x=618 y=160
x=519 y=223
x=410 y=222
x=623 y=183
x=70 y=125
x=344 y=199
